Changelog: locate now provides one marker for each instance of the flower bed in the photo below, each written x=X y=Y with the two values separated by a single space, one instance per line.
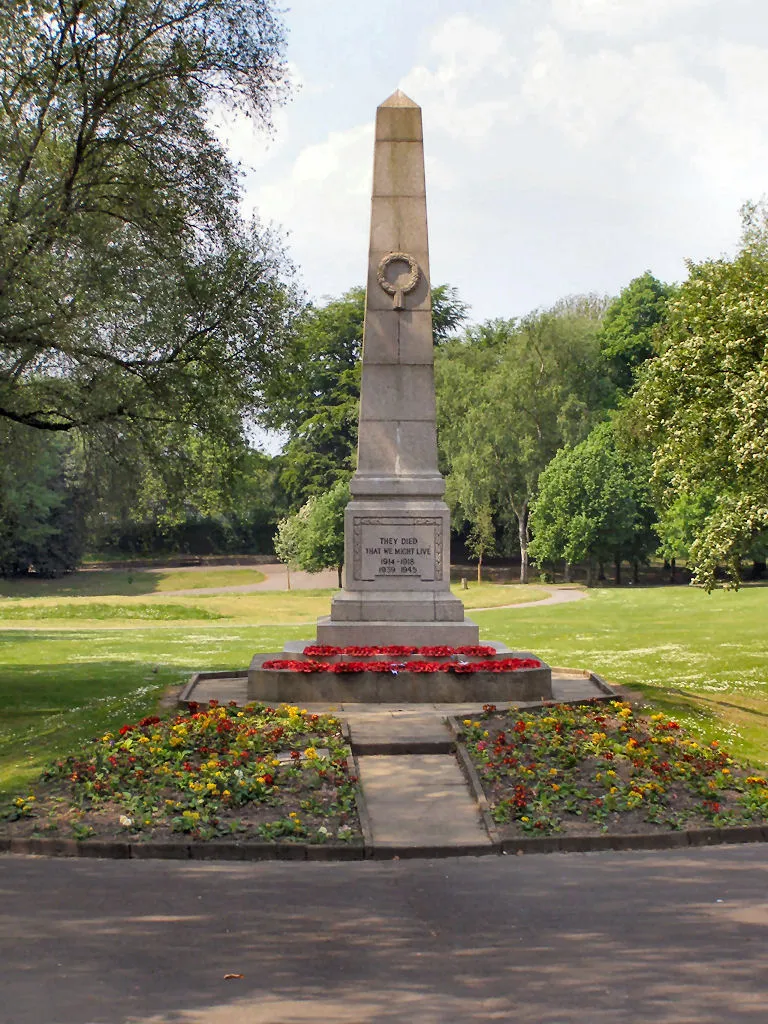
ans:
x=246 y=773
x=393 y=667
x=326 y=650
x=601 y=768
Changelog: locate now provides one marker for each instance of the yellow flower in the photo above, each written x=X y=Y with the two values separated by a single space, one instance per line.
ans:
x=226 y=793
x=553 y=771
x=525 y=818
x=467 y=721
x=310 y=753
x=275 y=763
x=555 y=787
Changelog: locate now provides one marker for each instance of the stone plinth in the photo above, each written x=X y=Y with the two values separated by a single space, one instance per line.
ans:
x=276 y=686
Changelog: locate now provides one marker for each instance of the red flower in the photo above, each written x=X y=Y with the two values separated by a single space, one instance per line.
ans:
x=124 y=729
x=151 y=720
x=268 y=779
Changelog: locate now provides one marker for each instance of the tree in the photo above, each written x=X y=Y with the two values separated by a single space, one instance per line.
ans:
x=312 y=539
x=315 y=399
x=230 y=504
x=704 y=405
x=510 y=394
x=591 y=506
x=449 y=313
x=41 y=513
x=632 y=326
x=130 y=290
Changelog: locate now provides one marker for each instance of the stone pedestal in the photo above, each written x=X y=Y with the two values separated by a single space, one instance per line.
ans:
x=397 y=528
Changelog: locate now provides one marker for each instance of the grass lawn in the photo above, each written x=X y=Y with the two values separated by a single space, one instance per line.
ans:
x=264 y=608
x=700 y=657
x=128 y=582
x=703 y=658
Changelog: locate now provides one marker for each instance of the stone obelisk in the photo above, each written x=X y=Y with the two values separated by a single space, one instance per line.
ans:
x=397 y=527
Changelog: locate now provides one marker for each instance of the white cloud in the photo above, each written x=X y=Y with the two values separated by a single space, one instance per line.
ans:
x=619 y=17
x=324 y=202
x=557 y=160
x=462 y=91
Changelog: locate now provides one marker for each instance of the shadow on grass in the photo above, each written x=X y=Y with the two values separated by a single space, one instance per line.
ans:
x=85 y=583
x=566 y=939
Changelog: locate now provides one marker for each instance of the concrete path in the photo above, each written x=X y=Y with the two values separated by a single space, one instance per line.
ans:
x=608 y=938
x=557 y=595
x=419 y=800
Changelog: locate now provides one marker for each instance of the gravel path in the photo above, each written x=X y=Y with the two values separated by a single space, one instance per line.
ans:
x=277 y=579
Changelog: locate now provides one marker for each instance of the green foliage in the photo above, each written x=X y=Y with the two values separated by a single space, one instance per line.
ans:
x=134 y=303
x=448 y=312
x=591 y=505
x=312 y=539
x=510 y=394
x=632 y=326
x=315 y=398
x=704 y=406
x=214 y=498
x=40 y=503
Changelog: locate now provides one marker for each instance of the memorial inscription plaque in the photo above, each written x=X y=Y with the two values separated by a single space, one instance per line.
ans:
x=398 y=547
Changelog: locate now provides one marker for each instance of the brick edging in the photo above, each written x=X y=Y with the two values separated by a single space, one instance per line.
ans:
x=116 y=850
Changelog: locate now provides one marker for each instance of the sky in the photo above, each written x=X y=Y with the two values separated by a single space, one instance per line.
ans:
x=570 y=145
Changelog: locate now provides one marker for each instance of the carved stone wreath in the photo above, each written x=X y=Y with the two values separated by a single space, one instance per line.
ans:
x=398 y=291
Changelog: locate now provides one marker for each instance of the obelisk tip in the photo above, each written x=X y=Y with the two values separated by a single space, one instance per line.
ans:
x=399 y=99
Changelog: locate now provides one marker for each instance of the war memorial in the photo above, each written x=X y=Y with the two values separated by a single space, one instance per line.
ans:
x=396 y=593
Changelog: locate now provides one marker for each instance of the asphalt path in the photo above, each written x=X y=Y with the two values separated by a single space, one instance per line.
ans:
x=608 y=938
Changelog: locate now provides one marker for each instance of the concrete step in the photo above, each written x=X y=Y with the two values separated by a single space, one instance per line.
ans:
x=399 y=732
x=415 y=801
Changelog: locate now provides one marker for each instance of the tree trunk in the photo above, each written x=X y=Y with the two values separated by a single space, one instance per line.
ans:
x=618 y=572
x=338 y=570
x=601 y=570
x=522 y=522
x=672 y=568
x=480 y=568
x=288 y=571
x=758 y=569
x=590 y=572
x=567 y=573
x=636 y=571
